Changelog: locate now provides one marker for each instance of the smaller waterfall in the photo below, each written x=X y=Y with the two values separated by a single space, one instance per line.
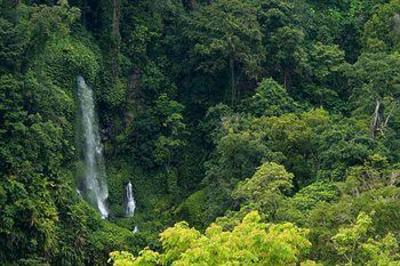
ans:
x=130 y=203
x=135 y=230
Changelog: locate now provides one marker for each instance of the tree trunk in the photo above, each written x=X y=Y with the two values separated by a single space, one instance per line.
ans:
x=389 y=115
x=115 y=36
x=286 y=78
x=233 y=90
x=375 y=120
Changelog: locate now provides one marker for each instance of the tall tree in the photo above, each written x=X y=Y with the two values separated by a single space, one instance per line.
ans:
x=227 y=39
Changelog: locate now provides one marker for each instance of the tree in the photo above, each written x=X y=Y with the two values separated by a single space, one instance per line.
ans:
x=328 y=83
x=12 y=45
x=270 y=99
x=354 y=245
x=249 y=243
x=237 y=154
x=288 y=58
x=170 y=142
x=382 y=252
x=374 y=78
x=266 y=190
x=293 y=140
x=382 y=30
x=348 y=240
x=282 y=39
x=227 y=39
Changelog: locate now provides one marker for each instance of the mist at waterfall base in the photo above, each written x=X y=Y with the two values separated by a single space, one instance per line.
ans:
x=94 y=185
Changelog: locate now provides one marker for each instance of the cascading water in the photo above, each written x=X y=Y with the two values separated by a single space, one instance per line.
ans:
x=130 y=201
x=95 y=185
x=135 y=230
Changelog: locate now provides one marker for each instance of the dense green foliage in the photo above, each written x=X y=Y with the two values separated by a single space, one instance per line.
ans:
x=249 y=243
x=271 y=126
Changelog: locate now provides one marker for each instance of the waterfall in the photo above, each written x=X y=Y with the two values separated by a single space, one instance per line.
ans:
x=95 y=186
x=130 y=203
x=135 y=230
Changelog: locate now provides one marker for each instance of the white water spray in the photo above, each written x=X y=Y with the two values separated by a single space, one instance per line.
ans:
x=95 y=185
x=130 y=203
x=135 y=230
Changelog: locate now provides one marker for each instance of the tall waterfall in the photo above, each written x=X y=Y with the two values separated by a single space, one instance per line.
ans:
x=95 y=185
x=130 y=203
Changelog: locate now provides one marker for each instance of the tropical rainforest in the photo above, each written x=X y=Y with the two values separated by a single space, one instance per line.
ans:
x=239 y=132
